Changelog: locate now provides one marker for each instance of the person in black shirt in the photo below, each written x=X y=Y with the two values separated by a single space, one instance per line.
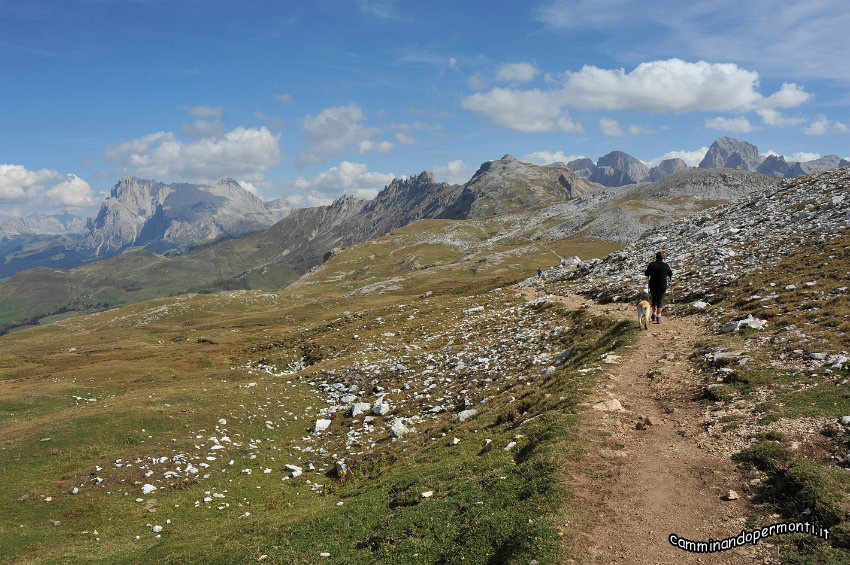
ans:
x=658 y=272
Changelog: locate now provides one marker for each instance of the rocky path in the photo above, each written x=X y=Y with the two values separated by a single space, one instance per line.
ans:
x=645 y=474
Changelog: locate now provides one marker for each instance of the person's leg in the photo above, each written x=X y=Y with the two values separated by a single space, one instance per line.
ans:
x=660 y=301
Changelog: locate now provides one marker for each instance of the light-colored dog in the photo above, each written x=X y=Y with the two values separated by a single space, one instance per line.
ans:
x=644 y=308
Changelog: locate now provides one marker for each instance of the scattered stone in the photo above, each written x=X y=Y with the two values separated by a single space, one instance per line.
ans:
x=700 y=305
x=428 y=494
x=398 y=429
x=465 y=415
x=731 y=495
x=147 y=489
x=294 y=470
x=610 y=405
x=321 y=425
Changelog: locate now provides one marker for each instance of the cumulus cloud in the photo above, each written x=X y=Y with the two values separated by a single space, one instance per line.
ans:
x=516 y=72
x=241 y=152
x=737 y=125
x=455 y=172
x=530 y=111
x=345 y=178
x=772 y=117
x=18 y=183
x=671 y=85
x=817 y=127
x=692 y=158
x=370 y=146
x=402 y=137
x=549 y=157
x=43 y=188
x=333 y=130
x=610 y=127
x=71 y=192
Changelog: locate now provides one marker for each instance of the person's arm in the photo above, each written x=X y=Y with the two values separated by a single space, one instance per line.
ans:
x=647 y=272
x=669 y=272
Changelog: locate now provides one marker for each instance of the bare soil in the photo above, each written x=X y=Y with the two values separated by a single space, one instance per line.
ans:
x=640 y=481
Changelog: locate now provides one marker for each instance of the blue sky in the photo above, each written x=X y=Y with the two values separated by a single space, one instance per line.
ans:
x=310 y=99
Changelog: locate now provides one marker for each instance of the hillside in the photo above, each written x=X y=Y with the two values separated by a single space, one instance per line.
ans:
x=765 y=281
x=275 y=257
x=405 y=380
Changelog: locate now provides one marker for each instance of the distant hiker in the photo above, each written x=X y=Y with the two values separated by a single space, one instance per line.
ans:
x=539 y=273
x=658 y=272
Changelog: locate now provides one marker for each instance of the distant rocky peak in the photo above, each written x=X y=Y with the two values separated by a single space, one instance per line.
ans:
x=508 y=157
x=728 y=152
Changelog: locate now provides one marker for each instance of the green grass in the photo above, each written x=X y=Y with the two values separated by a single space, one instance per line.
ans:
x=155 y=394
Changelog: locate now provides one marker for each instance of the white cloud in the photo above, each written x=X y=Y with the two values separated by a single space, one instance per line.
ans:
x=346 y=177
x=71 y=192
x=378 y=8
x=452 y=62
x=737 y=125
x=692 y=158
x=818 y=127
x=802 y=156
x=822 y=125
x=18 y=183
x=549 y=157
x=369 y=146
x=332 y=130
x=402 y=137
x=610 y=127
x=773 y=117
x=671 y=85
x=530 y=111
x=454 y=172
x=241 y=152
x=516 y=72
x=43 y=189
x=285 y=98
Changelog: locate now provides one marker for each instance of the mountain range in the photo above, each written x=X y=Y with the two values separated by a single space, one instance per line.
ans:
x=504 y=206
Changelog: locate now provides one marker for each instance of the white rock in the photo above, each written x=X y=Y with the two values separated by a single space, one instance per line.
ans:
x=147 y=489
x=465 y=415
x=510 y=446
x=398 y=429
x=700 y=305
x=321 y=425
x=428 y=494
x=610 y=405
x=358 y=408
x=156 y=529
x=380 y=407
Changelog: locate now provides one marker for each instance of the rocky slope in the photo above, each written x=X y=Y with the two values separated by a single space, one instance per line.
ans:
x=146 y=212
x=726 y=243
x=42 y=224
x=508 y=185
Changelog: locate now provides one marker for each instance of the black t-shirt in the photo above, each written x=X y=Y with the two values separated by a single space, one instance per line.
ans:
x=658 y=271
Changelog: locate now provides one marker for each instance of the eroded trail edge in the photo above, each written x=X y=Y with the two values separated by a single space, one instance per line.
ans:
x=645 y=473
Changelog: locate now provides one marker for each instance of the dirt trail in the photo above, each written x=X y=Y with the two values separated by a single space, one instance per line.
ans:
x=640 y=482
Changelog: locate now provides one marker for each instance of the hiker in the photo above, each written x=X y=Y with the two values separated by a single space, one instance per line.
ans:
x=658 y=272
x=539 y=272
